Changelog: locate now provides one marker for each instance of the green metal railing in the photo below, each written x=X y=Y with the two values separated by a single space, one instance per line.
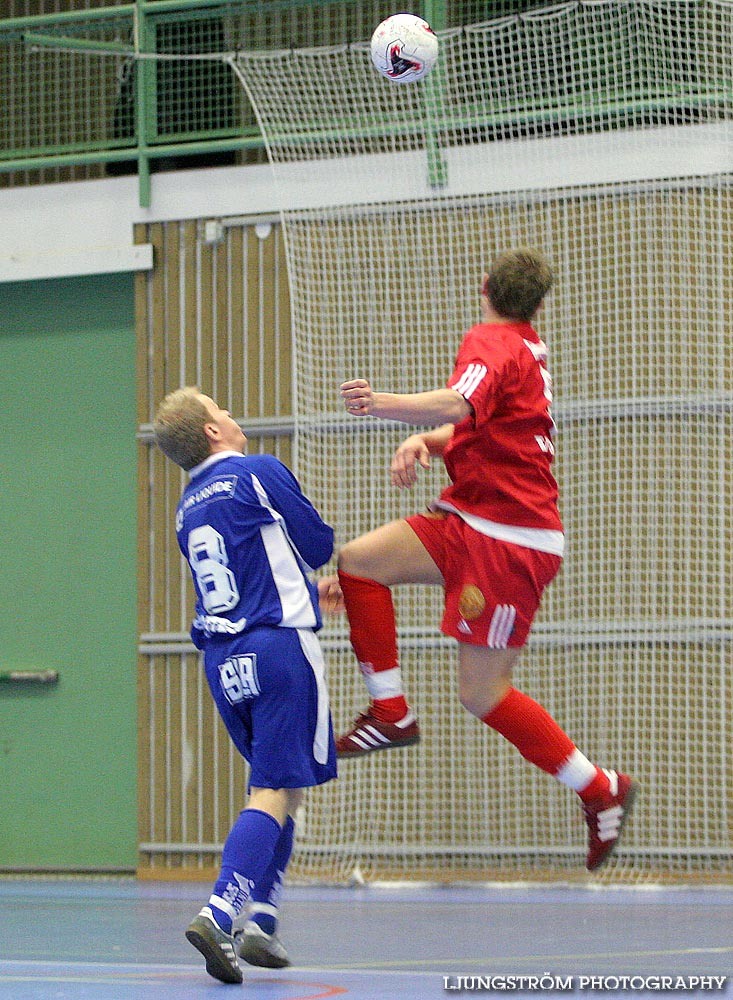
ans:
x=88 y=102
x=79 y=93
x=76 y=96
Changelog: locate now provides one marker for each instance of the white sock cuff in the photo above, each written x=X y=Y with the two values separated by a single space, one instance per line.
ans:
x=385 y=684
x=577 y=772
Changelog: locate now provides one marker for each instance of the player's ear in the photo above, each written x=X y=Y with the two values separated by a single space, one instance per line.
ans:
x=485 y=285
x=212 y=432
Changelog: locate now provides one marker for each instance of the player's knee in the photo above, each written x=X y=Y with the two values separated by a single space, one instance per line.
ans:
x=480 y=699
x=294 y=798
x=352 y=559
x=473 y=701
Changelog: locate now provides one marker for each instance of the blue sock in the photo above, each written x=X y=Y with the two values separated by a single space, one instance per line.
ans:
x=267 y=891
x=247 y=854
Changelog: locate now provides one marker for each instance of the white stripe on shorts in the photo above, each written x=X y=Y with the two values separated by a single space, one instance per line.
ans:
x=312 y=650
x=501 y=627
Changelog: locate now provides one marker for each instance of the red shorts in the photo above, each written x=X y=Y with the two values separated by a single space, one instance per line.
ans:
x=492 y=588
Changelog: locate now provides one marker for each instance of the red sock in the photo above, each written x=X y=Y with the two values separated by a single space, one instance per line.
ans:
x=532 y=730
x=540 y=740
x=373 y=635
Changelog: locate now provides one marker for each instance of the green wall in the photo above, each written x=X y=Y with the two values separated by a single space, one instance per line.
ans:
x=67 y=582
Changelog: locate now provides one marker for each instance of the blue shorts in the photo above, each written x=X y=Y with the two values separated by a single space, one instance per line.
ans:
x=270 y=689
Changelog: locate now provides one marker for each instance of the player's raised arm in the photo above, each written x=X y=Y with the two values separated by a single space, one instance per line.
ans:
x=432 y=408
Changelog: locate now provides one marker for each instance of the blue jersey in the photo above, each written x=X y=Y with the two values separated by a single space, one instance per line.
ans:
x=251 y=538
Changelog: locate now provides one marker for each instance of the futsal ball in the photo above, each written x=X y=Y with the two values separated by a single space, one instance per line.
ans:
x=404 y=48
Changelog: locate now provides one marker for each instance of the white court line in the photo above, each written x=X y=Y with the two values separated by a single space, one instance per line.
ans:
x=402 y=967
x=81 y=964
x=515 y=959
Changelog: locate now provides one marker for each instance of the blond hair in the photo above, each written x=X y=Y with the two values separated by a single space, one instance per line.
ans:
x=178 y=427
x=518 y=282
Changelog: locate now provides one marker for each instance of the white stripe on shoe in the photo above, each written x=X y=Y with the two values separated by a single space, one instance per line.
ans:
x=368 y=737
x=609 y=823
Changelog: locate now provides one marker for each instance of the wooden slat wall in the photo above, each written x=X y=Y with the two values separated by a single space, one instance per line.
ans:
x=214 y=315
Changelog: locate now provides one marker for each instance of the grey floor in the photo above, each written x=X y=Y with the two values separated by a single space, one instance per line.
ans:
x=123 y=940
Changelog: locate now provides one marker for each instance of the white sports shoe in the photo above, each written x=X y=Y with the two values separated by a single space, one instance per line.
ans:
x=216 y=946
x=258 y=948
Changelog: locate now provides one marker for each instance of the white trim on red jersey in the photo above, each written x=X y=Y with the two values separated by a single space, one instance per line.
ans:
x=542 y=539
x=470 y=380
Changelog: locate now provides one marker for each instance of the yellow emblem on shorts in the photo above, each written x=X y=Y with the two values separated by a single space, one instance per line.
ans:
x=471 y=603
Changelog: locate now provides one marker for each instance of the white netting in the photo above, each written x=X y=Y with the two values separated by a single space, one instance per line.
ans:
x=599 y=132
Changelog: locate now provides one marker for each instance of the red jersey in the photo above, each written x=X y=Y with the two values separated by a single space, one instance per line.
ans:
x=499 y=458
